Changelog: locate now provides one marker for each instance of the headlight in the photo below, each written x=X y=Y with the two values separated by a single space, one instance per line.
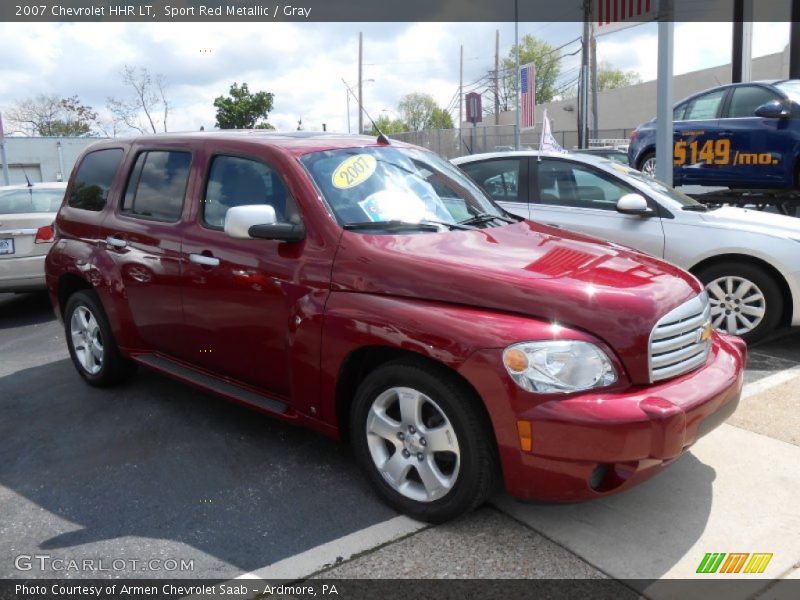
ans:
x=558 y=366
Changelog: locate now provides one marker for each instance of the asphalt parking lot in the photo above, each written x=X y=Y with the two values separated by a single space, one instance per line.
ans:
x=158 y=470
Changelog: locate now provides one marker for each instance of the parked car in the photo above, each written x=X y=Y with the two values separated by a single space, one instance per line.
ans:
x=745 y=135
x=27 y=213
x=746 y=259
x=613 y=154
x=372 y=292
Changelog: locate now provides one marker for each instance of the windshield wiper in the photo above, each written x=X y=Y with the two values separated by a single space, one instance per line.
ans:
x=391 y=226
x=695 y=207
x=484 y=218
x=458 y=225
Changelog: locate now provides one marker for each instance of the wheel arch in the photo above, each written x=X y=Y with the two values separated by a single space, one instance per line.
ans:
x=68 y=284
x=786 y=315
x=364 y=360
x=643 y=154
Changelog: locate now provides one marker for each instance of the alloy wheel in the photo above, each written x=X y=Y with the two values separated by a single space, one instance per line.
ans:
x=413 y=444
x=649 y=166
x=87 y=341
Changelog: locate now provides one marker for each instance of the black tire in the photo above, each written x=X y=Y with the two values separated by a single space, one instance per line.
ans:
x=771 y=291
x=113 y=368
x=478 y=472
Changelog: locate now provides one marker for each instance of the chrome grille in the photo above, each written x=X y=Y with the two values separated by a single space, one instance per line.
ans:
x=677 y=343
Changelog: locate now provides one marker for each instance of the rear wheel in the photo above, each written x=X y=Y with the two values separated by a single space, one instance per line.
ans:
x=91 y=343
x=423 y=441
x=745 y=301
x=647 y=164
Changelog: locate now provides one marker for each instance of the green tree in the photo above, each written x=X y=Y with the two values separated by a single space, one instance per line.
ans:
x=609 y=78
x=389 y=126
x=243 y=109
x=548 y=68
x=420 y=111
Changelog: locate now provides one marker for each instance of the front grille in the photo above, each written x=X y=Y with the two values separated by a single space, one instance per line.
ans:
x=680 y=342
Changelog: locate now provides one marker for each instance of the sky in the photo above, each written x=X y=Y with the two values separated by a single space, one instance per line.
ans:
x=303 y=64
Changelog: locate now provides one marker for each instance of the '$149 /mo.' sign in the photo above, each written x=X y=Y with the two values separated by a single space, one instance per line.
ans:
x=717 y=152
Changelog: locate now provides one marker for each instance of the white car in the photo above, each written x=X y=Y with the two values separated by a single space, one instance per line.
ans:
x=27 y=213
x=748 y=260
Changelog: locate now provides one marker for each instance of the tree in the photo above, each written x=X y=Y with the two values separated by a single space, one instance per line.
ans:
x=49 y=115
x=389 y=126
x=609 y=78
x=548 y=68
x=420 y=111
x=141 y=110
x=243 y=109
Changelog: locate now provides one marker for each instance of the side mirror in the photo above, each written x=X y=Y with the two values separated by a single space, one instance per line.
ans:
x=774 y=109
x=634 y=204
x=239 y=219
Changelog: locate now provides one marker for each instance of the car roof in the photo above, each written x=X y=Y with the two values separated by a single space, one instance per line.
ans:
x=295 y=142
x=590 y=159
x=768 y=82
x=47 y=185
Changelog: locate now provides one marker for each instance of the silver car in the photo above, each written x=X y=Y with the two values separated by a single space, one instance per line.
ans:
x=748 y=260
x=26 y=233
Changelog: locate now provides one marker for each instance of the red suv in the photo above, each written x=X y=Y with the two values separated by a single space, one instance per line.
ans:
x=371 y=291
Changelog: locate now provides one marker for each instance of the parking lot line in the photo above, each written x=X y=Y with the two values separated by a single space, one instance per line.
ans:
x=771 y=381
x=338 y=550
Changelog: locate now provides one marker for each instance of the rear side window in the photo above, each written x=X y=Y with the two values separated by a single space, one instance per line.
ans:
x=93 y=179
x=157 y=185
x=235 y=181
x=499 y=177
x=704 y=107
x=747 y=99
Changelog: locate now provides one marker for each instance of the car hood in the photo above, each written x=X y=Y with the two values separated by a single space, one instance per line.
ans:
x=611 y=292
x=756 y=221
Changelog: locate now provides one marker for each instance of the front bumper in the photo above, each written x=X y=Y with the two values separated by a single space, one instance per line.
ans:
x=598 y=443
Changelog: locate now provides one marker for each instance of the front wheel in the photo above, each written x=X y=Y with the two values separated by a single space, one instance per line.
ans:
x=745 y=301
x=425 y=444
x=648 y=164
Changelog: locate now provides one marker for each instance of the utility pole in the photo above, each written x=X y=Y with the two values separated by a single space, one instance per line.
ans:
x=664 y=136
x=360 y=83
x=497 y=77
x=3 y=153
x=583 y=133
x=595 y=121
x=516 y=73
x=460 y=95
x=742 y=59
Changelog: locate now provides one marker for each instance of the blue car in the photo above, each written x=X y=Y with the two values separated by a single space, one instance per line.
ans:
x=744 y=135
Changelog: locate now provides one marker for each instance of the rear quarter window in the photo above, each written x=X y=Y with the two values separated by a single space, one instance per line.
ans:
x=93 y=179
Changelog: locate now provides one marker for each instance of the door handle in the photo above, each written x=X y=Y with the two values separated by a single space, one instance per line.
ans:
x=203 y=260
x=115 y=242
x=726 y=133
x=557 y=226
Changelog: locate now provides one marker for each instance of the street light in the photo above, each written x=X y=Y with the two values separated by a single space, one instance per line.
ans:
x=348 y=91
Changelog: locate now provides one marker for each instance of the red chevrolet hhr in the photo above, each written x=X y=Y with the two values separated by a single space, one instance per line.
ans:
x=370 y=290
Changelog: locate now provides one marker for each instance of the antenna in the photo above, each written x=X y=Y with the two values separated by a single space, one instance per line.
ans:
x=382 y=139
x=30 y=185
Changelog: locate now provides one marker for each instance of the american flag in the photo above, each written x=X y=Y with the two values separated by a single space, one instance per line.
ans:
x=527 y=76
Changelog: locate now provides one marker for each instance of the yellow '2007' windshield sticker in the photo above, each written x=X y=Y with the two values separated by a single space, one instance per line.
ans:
x=354 y=171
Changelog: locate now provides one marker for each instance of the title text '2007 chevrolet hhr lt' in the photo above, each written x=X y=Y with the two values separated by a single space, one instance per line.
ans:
x=371 y=291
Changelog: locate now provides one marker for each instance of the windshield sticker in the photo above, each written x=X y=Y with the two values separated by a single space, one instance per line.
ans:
x=395 y=205
x=354 y=171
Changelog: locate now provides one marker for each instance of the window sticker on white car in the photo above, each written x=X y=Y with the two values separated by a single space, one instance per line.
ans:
x=354 y=171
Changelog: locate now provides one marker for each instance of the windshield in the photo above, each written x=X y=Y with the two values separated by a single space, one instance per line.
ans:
x=387 y=184
x=656 y=185
x=30 y=200
x=791 y=89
